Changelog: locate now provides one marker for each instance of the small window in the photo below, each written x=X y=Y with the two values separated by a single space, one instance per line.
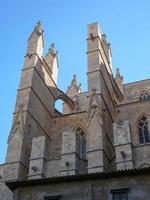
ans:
x=143 y=130
x=120 y=194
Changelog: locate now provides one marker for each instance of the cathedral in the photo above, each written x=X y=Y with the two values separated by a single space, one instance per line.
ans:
x=97 y=148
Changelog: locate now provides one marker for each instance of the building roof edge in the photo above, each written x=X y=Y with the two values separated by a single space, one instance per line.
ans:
x=113 y=174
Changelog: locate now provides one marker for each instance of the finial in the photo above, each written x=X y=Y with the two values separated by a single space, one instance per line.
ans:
x=118 y=74
x=39 y=22
x=104 y=36
x=74 y=76
x=119 y=80
x=74 y=79
x=38 y=28
x=53 y=45
x=52 y=49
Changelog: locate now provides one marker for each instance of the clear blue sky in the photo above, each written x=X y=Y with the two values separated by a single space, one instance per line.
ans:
x=126 y=23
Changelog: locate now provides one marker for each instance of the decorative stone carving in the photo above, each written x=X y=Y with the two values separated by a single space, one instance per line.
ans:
x=119 y=124
x=76 y=101
x=18 y=123
x=95 y=108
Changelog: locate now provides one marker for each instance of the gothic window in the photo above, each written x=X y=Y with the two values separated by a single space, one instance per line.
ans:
x=145 y=95
x=120 y=194
x=81 y=143
x=143 y=130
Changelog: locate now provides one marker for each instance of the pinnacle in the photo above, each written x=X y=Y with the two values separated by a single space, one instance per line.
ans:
x=118 y=76
x=52 y=50
x=39 y=22
x=117 y=72
x=38 y=28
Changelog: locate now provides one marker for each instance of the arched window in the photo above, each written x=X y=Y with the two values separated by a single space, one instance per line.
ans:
x=145 y=95
x=81 y=143
x=143 y=130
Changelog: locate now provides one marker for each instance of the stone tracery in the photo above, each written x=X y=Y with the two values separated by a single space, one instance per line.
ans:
x=143 y=130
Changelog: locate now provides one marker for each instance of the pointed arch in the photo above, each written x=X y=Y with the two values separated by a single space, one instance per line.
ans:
x=81 y=140
x=59 y=95
x=141 y=115
x=79 y=125
x=143 y=128
x=144 y=95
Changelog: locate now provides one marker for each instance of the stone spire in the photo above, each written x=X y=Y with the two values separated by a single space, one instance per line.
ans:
x=118 y=73
x=99 y=74
x=119 y=80
x=35 y=45
x=107 y=49
x=52 y=61
x=20 y=139
x=74 y=88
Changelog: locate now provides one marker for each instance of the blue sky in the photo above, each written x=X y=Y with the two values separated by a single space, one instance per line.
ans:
x=126 y=24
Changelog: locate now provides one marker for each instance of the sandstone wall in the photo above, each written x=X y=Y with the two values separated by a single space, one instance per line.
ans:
x=138 y=188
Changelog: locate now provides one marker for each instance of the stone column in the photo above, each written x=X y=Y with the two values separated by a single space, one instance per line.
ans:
x=99 y=71
x=94 y=146
x=95 y=134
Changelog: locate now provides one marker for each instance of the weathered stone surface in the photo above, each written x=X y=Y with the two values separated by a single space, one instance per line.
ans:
x=137 y=187
x=45 y=143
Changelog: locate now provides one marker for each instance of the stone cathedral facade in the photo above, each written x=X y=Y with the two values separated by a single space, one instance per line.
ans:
x=98 y=148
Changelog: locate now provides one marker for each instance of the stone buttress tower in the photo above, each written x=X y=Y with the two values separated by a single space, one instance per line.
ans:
x=101 y=92
x=33 y=111
x=35 y=139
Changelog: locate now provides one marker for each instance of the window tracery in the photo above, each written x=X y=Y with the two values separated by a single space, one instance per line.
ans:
x=143 y=130
x=145 y=95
